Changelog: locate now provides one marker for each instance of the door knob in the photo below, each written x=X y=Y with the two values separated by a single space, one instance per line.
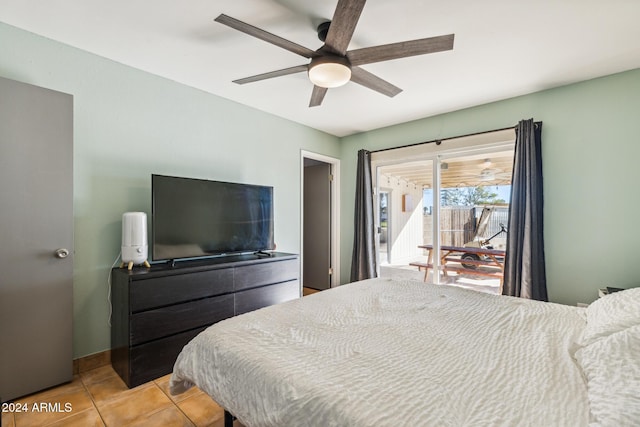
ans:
x=62 y=253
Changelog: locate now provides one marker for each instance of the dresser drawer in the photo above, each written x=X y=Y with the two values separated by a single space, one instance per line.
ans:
x=159 y=291
x=254 y=275
x=155 y=359
x=165 y=321
x=254 y=299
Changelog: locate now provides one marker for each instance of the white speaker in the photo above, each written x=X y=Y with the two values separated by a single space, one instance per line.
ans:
x=134 y=239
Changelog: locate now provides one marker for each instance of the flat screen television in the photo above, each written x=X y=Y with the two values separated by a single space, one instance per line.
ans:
x=194 y=218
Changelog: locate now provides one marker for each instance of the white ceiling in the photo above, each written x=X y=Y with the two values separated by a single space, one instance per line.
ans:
x=503 y=48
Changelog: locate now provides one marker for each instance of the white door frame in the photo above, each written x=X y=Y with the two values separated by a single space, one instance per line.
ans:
x=335 y=213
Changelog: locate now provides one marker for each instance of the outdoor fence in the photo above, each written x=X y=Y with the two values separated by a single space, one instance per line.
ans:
x=458 y=224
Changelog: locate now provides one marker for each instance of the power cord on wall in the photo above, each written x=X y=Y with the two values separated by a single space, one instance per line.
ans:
x=109 y=286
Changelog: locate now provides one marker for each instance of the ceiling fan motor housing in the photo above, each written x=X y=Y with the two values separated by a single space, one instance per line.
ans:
x=323 y=29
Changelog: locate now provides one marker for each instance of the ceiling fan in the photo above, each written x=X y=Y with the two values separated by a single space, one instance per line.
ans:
x=489 y=173
x=333 y=65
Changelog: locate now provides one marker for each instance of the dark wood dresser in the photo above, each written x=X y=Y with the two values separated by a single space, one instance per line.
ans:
x=157 y=310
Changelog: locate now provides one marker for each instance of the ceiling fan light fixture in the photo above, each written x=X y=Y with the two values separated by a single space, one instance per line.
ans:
x=329 y=71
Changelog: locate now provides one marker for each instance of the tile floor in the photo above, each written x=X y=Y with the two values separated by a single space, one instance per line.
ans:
x=100 y=398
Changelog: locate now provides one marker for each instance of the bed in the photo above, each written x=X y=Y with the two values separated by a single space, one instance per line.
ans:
x=382 y=352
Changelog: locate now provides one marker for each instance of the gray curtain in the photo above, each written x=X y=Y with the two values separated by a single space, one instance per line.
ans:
x=363 y=262
x=524 y=274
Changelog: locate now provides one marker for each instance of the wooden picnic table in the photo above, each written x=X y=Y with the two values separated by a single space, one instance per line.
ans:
x=491 y=258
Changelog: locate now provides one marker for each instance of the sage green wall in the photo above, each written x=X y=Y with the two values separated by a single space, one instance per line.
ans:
x=129 y=124
x=591 y=151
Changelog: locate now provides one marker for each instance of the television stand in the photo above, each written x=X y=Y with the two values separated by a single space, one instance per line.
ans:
x=156 y=311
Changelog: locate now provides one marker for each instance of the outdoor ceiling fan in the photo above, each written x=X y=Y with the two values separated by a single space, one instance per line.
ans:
x=333 y=65
x=488 y=173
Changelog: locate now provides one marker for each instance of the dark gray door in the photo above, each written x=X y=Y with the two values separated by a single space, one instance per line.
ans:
x=36 y=235
x=317 y=226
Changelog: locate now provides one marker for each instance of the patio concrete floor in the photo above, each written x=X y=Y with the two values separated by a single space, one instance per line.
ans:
x=407 y=272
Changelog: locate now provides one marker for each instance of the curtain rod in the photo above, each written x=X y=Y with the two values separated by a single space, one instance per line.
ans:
x=439 y=141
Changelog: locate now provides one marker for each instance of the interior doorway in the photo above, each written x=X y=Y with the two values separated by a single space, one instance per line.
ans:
x=319 y=221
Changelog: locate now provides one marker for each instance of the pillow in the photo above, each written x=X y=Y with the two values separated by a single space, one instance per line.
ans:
x=612 y=368
x=612 y=313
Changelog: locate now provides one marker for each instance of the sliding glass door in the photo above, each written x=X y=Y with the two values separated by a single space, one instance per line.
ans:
x=474 y=195
x=443 y=217
x=404 y=223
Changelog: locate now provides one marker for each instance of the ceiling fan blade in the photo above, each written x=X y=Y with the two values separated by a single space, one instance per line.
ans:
x=405 y=49
x=343 y=24
x=264 y=35
x=271 y=74
x=371 y=81
x=317 y=96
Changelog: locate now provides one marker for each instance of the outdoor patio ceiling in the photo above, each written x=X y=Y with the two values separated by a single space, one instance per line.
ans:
x=468 y=171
